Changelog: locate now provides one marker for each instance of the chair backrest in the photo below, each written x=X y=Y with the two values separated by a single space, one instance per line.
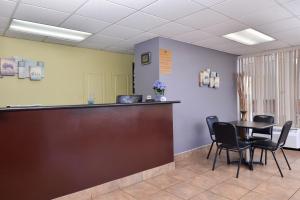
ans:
x=226 y=134
x=284 y=133
x=210 y=120
x=263 y=118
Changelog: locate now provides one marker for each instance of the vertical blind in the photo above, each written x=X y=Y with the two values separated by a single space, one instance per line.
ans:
x=274 y=84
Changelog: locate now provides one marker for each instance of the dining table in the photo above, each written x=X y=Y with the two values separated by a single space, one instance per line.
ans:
x=244 y=128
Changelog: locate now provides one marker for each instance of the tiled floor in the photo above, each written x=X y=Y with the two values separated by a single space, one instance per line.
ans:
x=193 y=179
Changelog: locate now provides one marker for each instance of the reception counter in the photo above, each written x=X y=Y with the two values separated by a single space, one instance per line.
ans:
x=48 y=152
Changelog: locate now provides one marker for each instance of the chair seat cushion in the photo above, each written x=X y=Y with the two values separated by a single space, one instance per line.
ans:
x=242 y=145
x=256 y=138
x=265 y=144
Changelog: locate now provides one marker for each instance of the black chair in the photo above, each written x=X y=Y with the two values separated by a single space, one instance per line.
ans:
x=263 y=133
x=269 y=145
x=226 y=137
x=210 y=121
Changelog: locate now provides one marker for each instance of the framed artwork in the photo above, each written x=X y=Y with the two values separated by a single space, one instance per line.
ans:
x=146 y=58
x=209 y=78
x=8 y=67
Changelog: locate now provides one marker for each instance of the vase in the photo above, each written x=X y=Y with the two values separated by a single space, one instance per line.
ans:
x=160 y=97
x=243 y=115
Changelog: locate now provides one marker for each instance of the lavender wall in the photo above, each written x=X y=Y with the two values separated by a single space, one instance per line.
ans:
x=190 y=129
x=145 y=75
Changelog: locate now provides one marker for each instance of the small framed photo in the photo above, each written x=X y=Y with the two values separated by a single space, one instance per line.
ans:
x=146 y=58
x=8 y=67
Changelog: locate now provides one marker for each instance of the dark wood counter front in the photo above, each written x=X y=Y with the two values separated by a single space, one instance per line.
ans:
x=47 y=153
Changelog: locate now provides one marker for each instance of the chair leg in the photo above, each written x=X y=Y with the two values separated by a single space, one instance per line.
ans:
x=211 y=146
x=266 y=156
x=239 y=164
x=261 y=156
x=287 y=162
x=251 y=158
x=220 y=151
x=250 y=161
x=277 y=163
x=228 y=158
x=215 y=159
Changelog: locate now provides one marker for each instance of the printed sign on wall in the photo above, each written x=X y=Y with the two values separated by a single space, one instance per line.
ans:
x=165 y=61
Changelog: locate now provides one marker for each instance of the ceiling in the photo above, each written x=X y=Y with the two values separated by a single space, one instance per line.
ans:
x=117 y=25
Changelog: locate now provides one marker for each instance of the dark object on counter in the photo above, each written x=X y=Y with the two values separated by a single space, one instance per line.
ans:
x=150 y=100
x=129 y=98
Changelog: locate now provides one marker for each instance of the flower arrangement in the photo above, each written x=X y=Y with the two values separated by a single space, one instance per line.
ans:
x=159 y=87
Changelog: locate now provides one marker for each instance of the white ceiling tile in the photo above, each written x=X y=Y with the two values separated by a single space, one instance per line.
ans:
x=202 y=19
x=121 y=32
x=136 y=4
x=6 y=8
x=209 y=3
x=239 y=8
x=171 y=29
x=40 y=15
x=226 y=27
x=172 y=9
x=241 y=50
x=116 y=49
x=142 y=21
x=192 y=36
x=142 y=37
x=4 y=22
x=265 y=16
x=86 y=24
x=99 y=41
x=219 y=43
x=64 y=6
x=104 y=10
x=62 y=42
x=290 y=36
x=279 y=26
x=24 y=36
x=126 y=45
x=293 y=6
x=271 y=45
x=2 y=30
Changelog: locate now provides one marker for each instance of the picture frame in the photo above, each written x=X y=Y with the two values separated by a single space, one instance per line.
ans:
x=146 y=58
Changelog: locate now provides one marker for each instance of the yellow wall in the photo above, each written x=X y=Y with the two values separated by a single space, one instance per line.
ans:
x=70 y=74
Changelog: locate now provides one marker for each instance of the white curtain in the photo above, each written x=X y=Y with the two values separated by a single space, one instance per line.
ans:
x=274 y=79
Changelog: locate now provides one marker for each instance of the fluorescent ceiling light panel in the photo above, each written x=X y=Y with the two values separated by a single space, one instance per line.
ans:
x=49 y=31
x=249 y=37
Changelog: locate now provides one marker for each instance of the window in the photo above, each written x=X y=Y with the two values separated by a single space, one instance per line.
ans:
x=274 y=80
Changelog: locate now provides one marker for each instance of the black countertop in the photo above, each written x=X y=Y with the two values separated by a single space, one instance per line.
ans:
x=25 y=108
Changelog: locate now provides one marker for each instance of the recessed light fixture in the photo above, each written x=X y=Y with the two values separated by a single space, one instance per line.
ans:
x=249 y=37
x=47 y=30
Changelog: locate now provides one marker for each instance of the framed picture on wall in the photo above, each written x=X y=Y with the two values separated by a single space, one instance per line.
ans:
x=8 y=67
x=146 y=58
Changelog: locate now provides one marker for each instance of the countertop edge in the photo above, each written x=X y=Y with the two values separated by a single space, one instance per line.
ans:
x=80 y=106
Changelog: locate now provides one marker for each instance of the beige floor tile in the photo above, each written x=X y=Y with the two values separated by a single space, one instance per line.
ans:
x=285 y=182
x=207 y=195
x=141 y=190
x=296 y=196
x=276 y=190
x=182 y=174
x=163 y=181
x=258 y=196
x=245 y=182
x=162 y=195
x=204 y=182
x=218 y=175
x=184 y=190
x=229 y=191
x=117 y=195
x=198 y=168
